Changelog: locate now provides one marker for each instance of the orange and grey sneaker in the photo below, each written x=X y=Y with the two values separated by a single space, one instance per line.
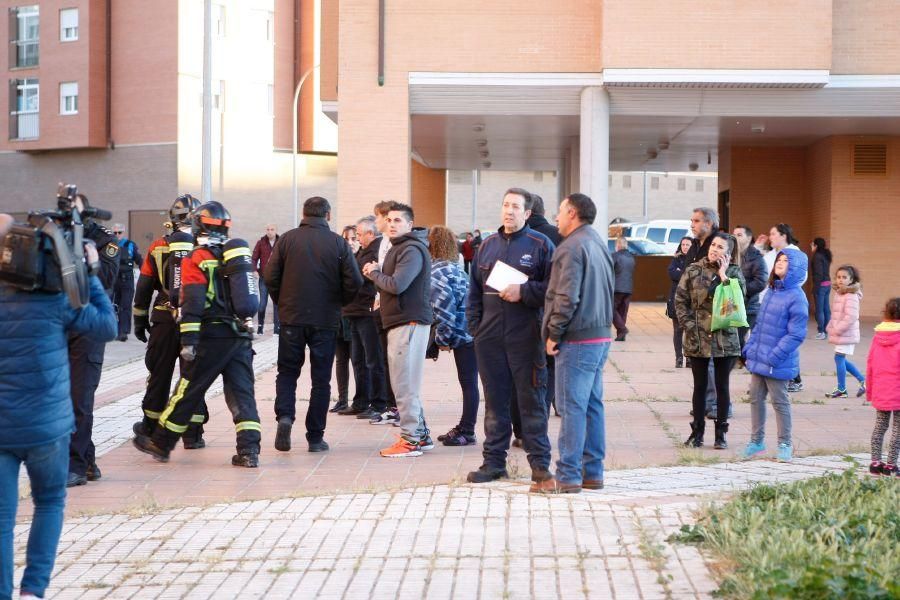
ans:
x=402 y=449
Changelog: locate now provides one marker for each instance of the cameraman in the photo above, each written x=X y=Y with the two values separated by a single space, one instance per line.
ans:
x=36 y=417
x=86 y=358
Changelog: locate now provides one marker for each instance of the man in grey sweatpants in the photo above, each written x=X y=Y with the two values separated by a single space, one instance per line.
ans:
x=404 y=282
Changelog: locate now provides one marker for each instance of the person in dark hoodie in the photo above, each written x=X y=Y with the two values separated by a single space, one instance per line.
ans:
x=756 y=276
x=404 y=282
x=36 y=414
x=506 y=326
x=310 y=275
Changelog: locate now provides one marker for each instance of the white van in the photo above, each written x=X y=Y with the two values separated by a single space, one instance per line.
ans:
x=665 y=232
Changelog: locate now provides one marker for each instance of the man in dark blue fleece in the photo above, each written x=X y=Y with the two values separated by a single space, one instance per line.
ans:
x=506 y=326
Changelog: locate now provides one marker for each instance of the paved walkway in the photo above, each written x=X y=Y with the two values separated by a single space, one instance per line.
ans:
x=490 y=541
x=143 y=512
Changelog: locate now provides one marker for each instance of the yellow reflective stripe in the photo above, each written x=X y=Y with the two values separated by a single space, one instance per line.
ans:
x=247 y=425
x=229 y=254
x=176 y=246
x=140 y=312
x=189 y=327
x=152 y=414
x=178 y=395
x=175 y=428
x=159 y=256
x=210 y=267
x=198 y=419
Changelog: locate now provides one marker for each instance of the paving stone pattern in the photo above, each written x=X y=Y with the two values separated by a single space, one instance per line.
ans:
x=491 y=541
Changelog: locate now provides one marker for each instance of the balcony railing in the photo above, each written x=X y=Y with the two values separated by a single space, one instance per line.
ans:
x=24 y=126
x=26 y=53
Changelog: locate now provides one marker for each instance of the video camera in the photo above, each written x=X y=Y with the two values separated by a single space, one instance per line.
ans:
x=46 y=253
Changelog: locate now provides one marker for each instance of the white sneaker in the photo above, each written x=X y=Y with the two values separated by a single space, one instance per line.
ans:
x=388 y=417
x=821 y=336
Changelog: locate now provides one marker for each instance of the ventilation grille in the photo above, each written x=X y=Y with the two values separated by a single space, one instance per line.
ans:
x=870 y=159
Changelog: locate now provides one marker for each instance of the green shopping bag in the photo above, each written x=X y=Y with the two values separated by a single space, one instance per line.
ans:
x=728 y=307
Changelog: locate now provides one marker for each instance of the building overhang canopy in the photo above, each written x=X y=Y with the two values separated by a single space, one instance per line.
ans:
x=660 y=119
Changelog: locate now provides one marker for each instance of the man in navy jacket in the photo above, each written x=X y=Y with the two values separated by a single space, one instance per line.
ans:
x=506 y=326
x=36 y=415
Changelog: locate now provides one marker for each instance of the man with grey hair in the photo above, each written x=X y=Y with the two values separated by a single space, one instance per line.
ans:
x=123 y=288
x=704 y=227
x=370 y=399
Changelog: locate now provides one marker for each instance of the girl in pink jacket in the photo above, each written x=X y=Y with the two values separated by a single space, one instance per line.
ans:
x=843 y=329
x=883 y=375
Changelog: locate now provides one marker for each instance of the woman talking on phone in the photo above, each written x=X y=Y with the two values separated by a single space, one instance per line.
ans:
x=693 y=307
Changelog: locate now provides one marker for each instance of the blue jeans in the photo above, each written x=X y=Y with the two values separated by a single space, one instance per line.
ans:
x=823 y=309
x=843 y=365
x=264 y=303
x=579 y=400
x=47 y=467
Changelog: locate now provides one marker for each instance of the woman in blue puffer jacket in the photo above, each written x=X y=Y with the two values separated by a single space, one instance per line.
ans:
x=773 y=350
x=36 y=418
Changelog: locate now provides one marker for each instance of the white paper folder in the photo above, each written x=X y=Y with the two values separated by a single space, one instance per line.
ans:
x=503 y=275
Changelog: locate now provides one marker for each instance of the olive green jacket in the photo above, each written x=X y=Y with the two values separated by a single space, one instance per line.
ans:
x=693 y=307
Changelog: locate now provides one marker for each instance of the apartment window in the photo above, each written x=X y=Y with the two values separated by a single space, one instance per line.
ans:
x=68 y=25
x=538 y=176
x=68 y=98
x=682 y=184
x=698 y=185
x=654 y=183
x=626 y=182
x=218 y=20
x=25 y=103
x=25 y=31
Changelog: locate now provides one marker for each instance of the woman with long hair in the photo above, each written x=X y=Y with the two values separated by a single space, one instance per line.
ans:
x=676 y=270
x=449 y=288
x=694 y=307
x=821 y=269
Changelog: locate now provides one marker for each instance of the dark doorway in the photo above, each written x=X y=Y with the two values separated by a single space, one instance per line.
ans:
x=144 y=226
x=725 y=210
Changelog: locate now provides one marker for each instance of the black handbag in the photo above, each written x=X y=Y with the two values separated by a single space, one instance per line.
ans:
x=432 y=351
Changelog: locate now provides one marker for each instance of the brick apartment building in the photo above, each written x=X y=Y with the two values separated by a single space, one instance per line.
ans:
x=794 y=105
x=108 y=94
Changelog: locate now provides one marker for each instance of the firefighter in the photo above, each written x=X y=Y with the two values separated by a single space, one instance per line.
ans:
x=161 y=272
x=218 y=302
x=86 y=360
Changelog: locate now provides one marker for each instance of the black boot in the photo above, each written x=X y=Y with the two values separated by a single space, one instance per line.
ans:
x=721 y=430
x=338 y=406
x=696 y=438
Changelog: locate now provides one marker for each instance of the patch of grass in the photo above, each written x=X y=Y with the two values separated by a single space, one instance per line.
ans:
x=836 y=536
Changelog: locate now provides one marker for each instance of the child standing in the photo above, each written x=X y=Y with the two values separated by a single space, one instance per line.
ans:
x=773 y=350
x=883 y=375
x=843 y=329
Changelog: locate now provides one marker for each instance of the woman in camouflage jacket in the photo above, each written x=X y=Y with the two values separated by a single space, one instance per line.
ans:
x=693 y=307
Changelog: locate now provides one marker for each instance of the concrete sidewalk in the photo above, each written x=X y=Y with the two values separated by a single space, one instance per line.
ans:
x=117 y=523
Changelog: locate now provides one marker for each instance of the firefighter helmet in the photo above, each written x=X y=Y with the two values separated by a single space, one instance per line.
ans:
x=211 y=220
x=180 y=212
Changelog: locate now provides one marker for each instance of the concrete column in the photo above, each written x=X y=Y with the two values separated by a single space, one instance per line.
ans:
x=594 y=152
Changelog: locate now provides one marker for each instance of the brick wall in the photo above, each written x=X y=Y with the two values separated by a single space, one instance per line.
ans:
x=866 y=37
x=819 y=173
x=711 y=34
x=864 y=224
x=769 y=186
x=429 y=194
x=329 y=50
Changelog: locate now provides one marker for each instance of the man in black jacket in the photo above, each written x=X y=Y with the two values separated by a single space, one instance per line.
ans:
x=310 y=275
x=755 y=274
x=370 y=399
